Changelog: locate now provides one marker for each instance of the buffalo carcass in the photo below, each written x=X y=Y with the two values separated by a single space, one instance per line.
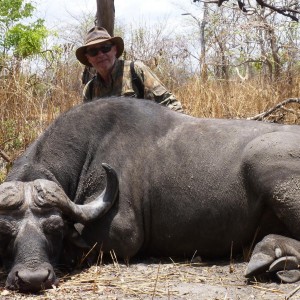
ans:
x=137 y=177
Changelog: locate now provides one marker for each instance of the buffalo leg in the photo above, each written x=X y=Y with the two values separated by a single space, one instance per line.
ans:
x=272 y=169
x=276 y=254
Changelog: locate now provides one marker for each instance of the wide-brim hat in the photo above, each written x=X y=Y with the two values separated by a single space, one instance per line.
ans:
x=98 y=35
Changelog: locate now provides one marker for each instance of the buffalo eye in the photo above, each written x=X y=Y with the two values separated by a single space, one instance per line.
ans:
x=7 y=233
x=53 y=225
x=53 y=228
x=7 y=227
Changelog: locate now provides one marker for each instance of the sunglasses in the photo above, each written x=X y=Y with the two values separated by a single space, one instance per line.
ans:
x=103 y=49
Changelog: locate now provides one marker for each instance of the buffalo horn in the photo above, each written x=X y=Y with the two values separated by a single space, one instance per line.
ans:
x=82 y=213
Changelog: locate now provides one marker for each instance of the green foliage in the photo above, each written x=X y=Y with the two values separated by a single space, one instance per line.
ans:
x=258 y=65
x=18 y=37
x=26 y=40
x=14 y=10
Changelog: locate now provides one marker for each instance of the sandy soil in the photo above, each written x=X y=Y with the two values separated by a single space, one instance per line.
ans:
x=155 y=280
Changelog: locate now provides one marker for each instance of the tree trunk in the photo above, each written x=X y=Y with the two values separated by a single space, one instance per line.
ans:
x=106 y=15
x=203 y=65
x=274 y=50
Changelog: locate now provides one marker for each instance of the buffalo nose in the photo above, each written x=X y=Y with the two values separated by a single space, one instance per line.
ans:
x=27 y=280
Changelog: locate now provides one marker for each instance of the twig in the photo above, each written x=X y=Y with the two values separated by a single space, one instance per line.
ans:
x=193 y=256
x=252 y=243
x=266 y=289
x=231 y=268
x=260 y=116
x=83 y=259
x=114 y=259
x=99 y=259
x=6 y=141
x=292 y=293
x=154 y=291
x=5 y=156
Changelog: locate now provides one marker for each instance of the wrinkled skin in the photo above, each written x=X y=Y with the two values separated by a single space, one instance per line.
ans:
x=185 y=184
x=26 y=231
x=32 y=228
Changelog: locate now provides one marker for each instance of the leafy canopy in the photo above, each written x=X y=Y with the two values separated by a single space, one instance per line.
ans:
x=18 y=36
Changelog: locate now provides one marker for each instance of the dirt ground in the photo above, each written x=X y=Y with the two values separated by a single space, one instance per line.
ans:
x=167 y=280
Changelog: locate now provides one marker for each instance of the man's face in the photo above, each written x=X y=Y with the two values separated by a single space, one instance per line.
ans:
x=102 y=57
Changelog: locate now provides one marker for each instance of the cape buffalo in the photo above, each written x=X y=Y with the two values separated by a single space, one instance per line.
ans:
x=170 y=184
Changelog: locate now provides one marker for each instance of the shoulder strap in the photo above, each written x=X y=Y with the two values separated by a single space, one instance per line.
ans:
x=137 y=81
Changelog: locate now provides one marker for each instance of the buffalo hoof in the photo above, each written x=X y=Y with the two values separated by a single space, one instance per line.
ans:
x=286 y=269
x=284 y=263
x=27 y=280
x=278 y=255
x=289 y=276
x=258 y=264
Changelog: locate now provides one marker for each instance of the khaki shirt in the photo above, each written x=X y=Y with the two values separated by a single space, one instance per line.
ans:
x=123 y=85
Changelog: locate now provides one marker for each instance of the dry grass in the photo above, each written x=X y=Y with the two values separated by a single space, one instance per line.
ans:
x=237 y=99
x=166 y=280
x=29 y=104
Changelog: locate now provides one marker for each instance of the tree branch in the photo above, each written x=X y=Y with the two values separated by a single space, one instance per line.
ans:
x=5 y=156
x=285 y=11
x=280 y=105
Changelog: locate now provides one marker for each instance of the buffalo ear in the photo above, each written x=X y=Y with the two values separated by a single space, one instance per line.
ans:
x=73 y=237
x=74 y=248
